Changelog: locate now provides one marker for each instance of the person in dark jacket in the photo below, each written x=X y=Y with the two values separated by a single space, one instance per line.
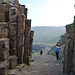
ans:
x=41 y=52
x=57 y=51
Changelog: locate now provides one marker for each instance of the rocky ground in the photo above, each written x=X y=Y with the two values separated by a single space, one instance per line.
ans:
x=43 y=65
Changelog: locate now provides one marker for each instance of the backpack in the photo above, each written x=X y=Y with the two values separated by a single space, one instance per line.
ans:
x=57 y=49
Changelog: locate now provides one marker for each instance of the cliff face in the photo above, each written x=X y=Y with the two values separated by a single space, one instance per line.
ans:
x=62 y=40
x=61 y=43
x=16 y=36
x=69 y=52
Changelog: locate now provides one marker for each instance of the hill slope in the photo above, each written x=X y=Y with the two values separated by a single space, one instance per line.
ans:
x=45 y=34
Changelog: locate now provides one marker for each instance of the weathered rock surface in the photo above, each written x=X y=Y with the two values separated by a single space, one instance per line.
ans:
x=69 y=56
x=15 y=37
x=4 y=68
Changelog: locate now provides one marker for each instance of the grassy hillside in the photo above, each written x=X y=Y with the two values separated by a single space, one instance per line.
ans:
x=45 y=34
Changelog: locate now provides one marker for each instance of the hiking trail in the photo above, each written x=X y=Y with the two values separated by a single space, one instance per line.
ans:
x=43 y=65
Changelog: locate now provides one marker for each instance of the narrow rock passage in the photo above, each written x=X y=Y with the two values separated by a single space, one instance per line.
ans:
x=44 y=65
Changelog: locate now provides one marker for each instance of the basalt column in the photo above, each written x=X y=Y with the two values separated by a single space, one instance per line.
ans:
x=4 y=12
x=4 y=56
x=74 y=55
x=4 y=49
x=4 y=30
x=74 y=47
x=12 y=30
x=20 y=37
x=27 y=41
x=25 y=12
x=69 y=59
x=31 y=41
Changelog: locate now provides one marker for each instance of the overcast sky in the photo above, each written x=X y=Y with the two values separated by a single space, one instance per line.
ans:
x=50 y=12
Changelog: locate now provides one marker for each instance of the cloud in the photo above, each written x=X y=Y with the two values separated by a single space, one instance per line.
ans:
x=59 y=12
x=51 y=13
x=29 y=6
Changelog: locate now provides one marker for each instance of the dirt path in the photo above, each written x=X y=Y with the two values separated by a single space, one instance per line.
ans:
x=43 y=65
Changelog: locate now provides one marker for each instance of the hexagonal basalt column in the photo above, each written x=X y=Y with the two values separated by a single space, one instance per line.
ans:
x=20 y=37
x=25 y=12
x=4 y=68
x=27 y=41
x=31 y=42
x=13 y=11
x=74 y=56
x=4 y=49
x=3 y=30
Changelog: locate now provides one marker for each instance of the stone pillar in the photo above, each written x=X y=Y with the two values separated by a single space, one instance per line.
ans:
x=4 y=68
x=74 y=56
x=12 y=29
x=69 y=50
x=3 y=30
x=12 y=38
x=31 y=42
x=4 y=49
x=27 y=41
x=12 y=62
x=4 y=12
x=25 y=12
x=20 y=37
x=13 y=11
x=21 y=23
x=21 y=9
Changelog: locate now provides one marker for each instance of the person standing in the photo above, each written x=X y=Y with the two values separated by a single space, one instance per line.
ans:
x=57 y=51
x=41 y=52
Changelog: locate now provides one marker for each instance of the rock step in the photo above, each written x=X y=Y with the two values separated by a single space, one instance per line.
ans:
x=4 y=68
x=12 y=72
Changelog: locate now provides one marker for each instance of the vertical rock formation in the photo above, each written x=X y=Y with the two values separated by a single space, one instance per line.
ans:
x=27 y=41
x=4 y=49
x=31 y=41
x=20 y=37
x=16 y=37
x=69 y=56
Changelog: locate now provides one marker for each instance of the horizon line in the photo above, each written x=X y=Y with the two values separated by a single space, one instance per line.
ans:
x=48 y=26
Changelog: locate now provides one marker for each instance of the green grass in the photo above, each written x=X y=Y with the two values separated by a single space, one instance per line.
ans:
x=32 y=60
x=4 y=1
x=9 y=1
x=18 y=64
x=53 y=54
x=35 y=53
x=48 y=44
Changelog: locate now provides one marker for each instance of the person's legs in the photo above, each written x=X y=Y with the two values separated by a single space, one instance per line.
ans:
x=40 y=52
x=57 y=55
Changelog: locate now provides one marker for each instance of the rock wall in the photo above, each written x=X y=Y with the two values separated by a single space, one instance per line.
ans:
x=69 y=52
x=16 y=36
